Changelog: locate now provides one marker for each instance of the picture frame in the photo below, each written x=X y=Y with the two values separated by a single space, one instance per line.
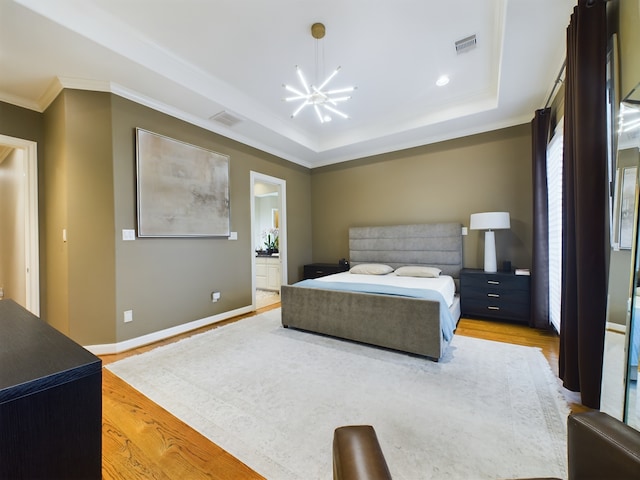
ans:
x=182 y=189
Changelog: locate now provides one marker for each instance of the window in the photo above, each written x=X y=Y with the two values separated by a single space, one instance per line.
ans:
x=554 y=195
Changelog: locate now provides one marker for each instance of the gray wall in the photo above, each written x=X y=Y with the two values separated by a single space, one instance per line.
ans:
x=444 y=182
x=168 y=281
x=79 y=199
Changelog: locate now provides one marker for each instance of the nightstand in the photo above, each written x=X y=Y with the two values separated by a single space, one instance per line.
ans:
x=500 y=295
x=315 y=270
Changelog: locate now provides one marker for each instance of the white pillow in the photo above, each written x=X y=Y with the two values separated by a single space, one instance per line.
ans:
x=418 y=271
x=371 y=269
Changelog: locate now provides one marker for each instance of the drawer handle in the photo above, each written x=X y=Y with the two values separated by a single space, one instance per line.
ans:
x=493 y=282
x=493 y=295
x=493 y=308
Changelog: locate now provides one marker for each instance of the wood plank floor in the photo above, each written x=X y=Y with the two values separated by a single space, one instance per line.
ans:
x=141 y=440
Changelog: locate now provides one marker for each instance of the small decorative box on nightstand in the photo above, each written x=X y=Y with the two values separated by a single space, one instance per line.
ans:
x=501 y=295
x=315 y=270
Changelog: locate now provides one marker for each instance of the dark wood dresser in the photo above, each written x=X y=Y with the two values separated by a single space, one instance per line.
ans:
x=500 y=295
x=50 y=401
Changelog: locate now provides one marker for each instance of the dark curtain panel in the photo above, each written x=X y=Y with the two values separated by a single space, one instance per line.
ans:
x=585 y=227
x=540 y=260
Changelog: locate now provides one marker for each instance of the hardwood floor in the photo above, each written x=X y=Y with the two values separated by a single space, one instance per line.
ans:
x=141 y=440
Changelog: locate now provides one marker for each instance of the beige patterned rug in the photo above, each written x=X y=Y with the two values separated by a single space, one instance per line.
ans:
x=273 y=396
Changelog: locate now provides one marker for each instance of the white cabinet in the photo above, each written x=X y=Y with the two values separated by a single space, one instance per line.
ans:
x=268 y=273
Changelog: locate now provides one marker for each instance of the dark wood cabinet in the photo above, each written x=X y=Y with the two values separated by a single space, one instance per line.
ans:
x=50 y=401
x=500 y=295
x=315 y=270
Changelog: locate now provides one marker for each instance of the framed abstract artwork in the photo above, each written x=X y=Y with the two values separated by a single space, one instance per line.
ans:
x=183 y=190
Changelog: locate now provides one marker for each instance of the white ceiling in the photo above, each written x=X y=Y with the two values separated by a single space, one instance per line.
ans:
x=196 y=58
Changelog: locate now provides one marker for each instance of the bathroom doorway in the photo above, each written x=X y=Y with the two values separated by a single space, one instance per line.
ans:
x=268 y=238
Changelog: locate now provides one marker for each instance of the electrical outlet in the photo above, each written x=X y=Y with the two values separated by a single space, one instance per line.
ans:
x=215 y=296
x=128 y=316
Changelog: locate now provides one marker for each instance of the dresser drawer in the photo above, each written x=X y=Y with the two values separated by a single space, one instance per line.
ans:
x=495 y=282
x=485 y=307
x=498 y=295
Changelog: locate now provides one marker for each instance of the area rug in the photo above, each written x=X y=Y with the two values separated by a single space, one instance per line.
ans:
x=272 y=397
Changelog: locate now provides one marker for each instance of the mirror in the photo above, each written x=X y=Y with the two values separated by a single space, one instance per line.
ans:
x=629 y=148
x=622 y=336
x=620 y=361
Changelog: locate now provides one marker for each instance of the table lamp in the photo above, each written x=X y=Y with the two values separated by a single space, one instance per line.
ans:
x=490 y=221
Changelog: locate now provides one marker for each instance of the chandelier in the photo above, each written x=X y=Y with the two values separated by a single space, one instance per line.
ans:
x=323 y=101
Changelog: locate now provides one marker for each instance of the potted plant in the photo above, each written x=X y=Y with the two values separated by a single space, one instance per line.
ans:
x=271 y=242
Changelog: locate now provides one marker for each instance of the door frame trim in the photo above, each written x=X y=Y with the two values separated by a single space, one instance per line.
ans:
x=282 y=229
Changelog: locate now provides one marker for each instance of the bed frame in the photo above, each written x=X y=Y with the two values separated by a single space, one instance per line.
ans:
x=407 y=324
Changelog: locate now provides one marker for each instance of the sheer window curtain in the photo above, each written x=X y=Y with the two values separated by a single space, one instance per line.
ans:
x=554 y=187
x=540 y=254
x=585 y=230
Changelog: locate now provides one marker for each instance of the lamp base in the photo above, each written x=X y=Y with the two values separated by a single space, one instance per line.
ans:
x=490 y=265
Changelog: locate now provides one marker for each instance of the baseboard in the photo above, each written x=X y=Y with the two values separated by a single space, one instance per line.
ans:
x=112 y=348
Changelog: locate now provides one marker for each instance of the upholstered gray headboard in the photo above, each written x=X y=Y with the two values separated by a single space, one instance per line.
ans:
x=436 y=244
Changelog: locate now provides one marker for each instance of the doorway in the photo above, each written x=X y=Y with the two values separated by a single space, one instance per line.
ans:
x=268 y=238
x=19 y=246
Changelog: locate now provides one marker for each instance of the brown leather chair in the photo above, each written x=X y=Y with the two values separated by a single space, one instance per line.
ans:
x=598 y=447
x=357 y=454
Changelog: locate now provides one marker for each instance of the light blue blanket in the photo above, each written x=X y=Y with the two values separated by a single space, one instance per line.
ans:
x=446 y=319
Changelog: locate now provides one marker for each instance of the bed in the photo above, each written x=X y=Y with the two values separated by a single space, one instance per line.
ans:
x=358 y=307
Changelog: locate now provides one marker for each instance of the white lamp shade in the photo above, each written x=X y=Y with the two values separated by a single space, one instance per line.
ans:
x=490 y=221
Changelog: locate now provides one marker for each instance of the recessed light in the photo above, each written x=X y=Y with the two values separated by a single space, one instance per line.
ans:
x=442 y=81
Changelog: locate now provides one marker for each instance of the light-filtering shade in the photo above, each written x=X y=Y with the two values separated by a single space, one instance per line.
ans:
x=490 y=221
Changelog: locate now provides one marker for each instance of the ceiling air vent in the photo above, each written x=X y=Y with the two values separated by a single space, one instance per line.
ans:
x=225 y=118
x=466 y=44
